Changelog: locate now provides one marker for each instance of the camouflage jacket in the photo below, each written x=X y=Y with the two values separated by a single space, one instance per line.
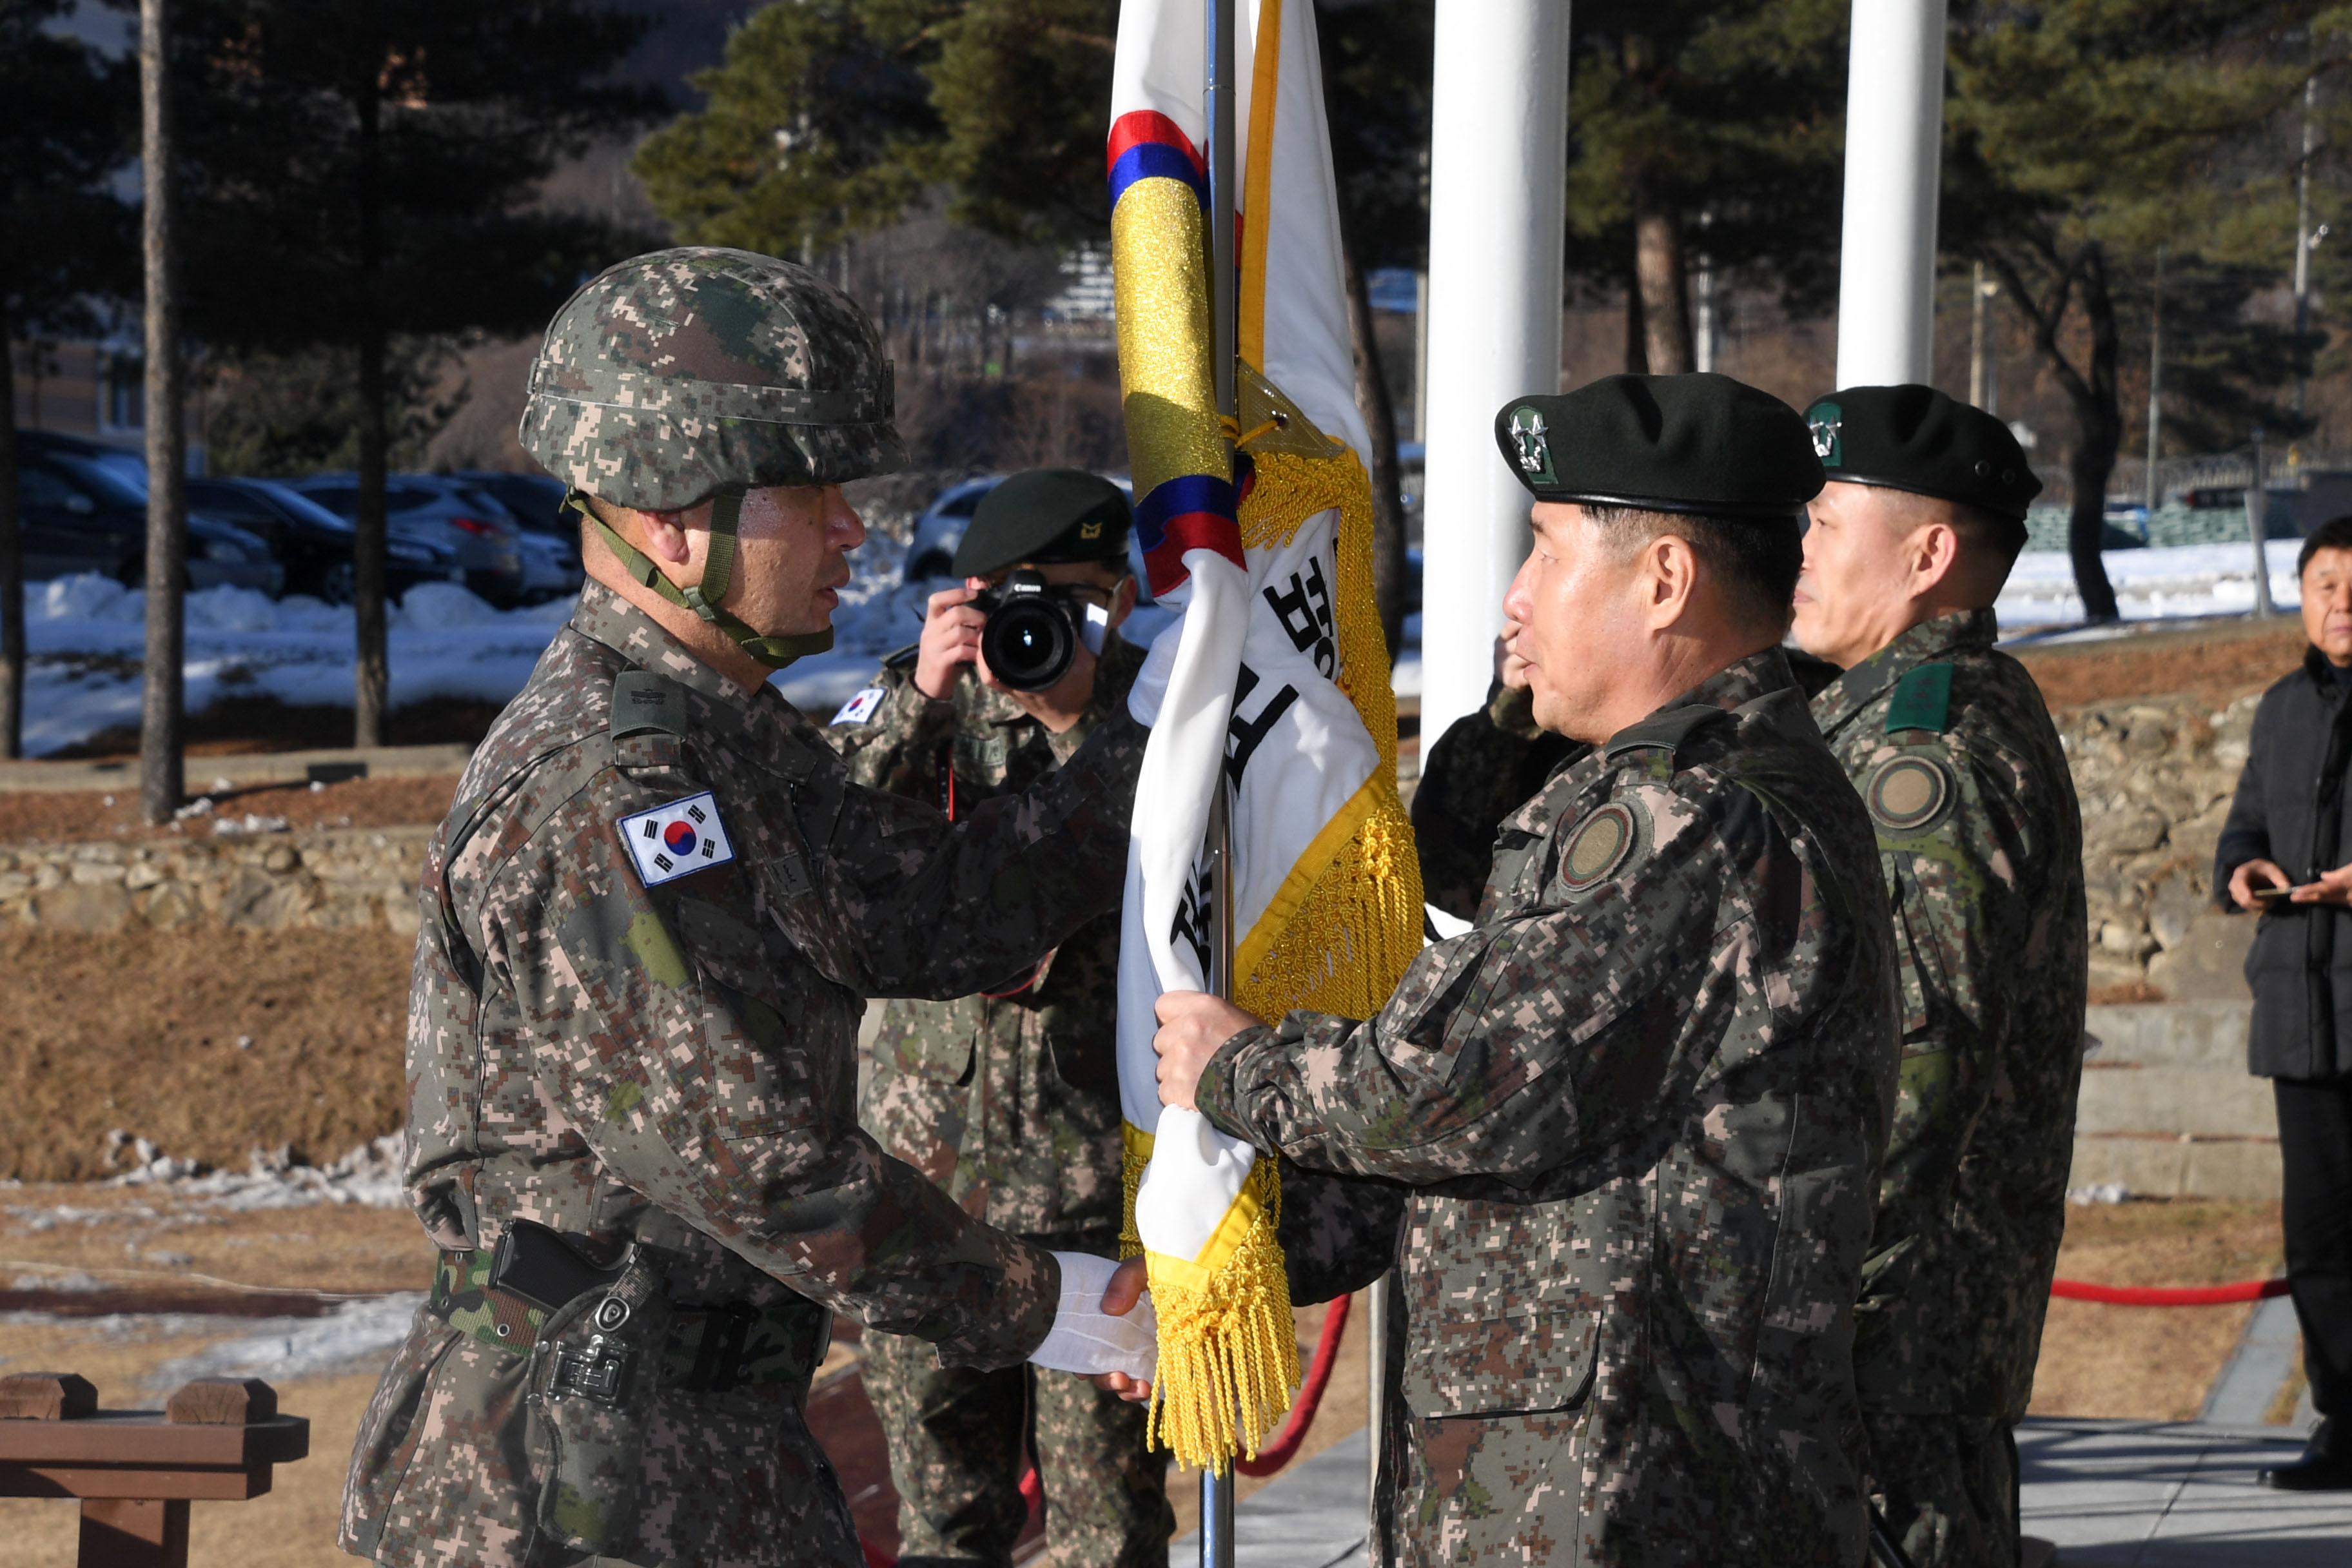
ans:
x=648 y=924
x=1482 y=769
x=1009 y=1102
x=1620 y=1140
x=1955 y=758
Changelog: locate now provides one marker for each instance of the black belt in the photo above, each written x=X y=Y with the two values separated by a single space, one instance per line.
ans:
x=713 y=1347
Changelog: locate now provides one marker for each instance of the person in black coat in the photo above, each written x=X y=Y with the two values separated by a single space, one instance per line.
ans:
x=2286 y=853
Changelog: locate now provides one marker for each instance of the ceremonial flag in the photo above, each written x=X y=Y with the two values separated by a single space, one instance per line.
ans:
x=1278 y=690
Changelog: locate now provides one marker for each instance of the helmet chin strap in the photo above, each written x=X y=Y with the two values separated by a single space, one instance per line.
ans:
x=702 y=598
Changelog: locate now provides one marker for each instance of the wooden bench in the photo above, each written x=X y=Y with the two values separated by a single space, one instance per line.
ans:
x=135 y=1471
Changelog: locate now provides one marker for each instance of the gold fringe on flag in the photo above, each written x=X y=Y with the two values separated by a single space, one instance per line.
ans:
x=1228 y=1344
x=1336 y=939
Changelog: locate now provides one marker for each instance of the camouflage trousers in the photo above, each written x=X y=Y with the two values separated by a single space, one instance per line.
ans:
x=1946 y=1487
x=956 y=1438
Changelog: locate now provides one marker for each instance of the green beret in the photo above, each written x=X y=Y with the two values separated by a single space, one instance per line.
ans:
x=1700 y=443
x=1916 y=439
x=1045 y=515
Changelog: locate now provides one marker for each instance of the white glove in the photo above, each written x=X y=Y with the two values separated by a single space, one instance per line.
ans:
x=1150 y=687
x=1086 y=1338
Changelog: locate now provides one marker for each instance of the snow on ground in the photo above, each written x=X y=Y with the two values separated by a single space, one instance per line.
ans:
x=86 y=634
x=356 y=1334
x=2183 y=580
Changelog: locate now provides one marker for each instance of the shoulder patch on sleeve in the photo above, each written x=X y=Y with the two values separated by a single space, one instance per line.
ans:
x=860 y=707
x=1665 y=731
x=1922 y=700
x=667 y=842
x=644 y=701
x=1908 y=793
x=1599 y=847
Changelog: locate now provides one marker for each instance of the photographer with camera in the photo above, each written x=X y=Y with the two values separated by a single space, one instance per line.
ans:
x=1010 y=1100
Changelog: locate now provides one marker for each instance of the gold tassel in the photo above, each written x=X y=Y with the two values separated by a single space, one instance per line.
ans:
x=1228 y=1344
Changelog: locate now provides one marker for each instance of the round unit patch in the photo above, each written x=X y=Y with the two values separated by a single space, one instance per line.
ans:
x=1597 y=847
x=1908 y=793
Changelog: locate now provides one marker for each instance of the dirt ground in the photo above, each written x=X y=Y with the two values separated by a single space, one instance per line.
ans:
x=2096 y=1361
x=2219 y=660
x=178 y=1265
x=207 y=1042
x=2152 y=1363
x=76 y=816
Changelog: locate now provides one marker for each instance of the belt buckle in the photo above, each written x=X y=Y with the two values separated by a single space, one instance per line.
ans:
x=600 y=1373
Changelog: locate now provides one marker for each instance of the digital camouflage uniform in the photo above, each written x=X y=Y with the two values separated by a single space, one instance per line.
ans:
x=1011 y=1103
x=676 y=1064
x=1482 y=769
x=1620 y=1140
x=1954 y=753
x=649 y=927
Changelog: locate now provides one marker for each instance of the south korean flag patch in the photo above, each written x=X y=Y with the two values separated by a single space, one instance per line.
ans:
x=675 y=840
x=860 y=707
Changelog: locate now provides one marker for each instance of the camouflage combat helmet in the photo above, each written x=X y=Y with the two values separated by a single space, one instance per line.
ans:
x=699 y=373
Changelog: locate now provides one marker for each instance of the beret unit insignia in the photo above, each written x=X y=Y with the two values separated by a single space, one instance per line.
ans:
x=1827 y=422
x=1534 y=441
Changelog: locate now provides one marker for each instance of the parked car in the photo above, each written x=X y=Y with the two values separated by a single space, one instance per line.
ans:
x=550 y=567
x=124 y=463
x=940 y=529
x=931 y=552
x=535 y=499
x=313 y=544
x=77 y=516
x=483 y=539
x=550 y=533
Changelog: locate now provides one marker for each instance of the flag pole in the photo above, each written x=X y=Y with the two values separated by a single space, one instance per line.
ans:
x=1216 y=1486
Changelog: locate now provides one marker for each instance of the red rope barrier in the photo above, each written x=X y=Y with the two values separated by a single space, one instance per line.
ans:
x=1283 y=1449
x=2172 y=1296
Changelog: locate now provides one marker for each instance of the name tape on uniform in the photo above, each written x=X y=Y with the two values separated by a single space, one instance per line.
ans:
x=673 y=840
x=860 y=707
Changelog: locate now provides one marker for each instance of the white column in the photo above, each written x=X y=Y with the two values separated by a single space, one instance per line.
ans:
x=1498 y=176
x=1894 y=147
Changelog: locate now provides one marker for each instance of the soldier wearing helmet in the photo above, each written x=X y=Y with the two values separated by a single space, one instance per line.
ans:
x=649 y=925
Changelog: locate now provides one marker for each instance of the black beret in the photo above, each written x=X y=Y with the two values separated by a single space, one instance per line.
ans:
x=1701 y=443
x=1045 y=515
x=1916 y=439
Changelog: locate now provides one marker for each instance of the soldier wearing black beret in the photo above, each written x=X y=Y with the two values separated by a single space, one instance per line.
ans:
x=1981 y=838
x=1010 y=1101
x=1617 y=1138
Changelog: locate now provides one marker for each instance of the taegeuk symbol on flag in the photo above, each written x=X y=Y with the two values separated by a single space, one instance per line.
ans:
x=675 y=840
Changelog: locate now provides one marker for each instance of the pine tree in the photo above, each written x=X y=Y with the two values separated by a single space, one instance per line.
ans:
x=367 y=169
x=66 y=246
x=1696 y=127
x=2083 y=135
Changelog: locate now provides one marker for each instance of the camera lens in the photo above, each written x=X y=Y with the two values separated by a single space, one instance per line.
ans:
x=1029 y=642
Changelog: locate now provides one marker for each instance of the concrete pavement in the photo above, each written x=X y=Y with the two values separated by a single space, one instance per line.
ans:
x=2114 y=1494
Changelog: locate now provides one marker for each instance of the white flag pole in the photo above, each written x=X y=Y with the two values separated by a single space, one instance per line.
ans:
x=1894 y=157
x=1217 y=1486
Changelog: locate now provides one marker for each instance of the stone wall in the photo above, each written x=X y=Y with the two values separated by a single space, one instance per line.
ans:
x=347 y=877
x=2155 y=776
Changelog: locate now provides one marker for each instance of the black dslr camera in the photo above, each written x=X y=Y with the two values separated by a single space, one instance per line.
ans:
x=1032 y=632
